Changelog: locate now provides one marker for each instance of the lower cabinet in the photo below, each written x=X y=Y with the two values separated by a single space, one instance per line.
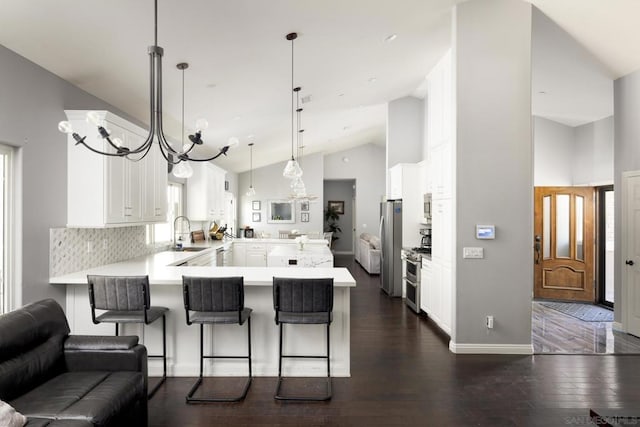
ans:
x=250 y=254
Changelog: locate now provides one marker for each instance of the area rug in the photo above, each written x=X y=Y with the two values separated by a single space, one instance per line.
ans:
x=586 y=312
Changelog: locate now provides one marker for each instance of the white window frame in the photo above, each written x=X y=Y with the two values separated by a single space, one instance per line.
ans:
x=11 y=293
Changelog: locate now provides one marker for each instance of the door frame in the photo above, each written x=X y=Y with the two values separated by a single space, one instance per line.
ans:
x=624 y=240
x=601 y=245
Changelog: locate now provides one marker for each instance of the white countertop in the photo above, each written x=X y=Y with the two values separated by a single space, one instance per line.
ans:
x=294 y=250
x=160 y=271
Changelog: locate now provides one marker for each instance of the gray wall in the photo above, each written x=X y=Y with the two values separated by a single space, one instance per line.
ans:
x=626 y=158
x=593 y=148
x=32 y=103
x=271 y=185
x=405 y=128
x=553 y=154
x=342 y=190
x=366 y=166
x=494 y=170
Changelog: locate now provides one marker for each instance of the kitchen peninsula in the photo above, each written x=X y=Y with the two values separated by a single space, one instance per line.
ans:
x=165 y=271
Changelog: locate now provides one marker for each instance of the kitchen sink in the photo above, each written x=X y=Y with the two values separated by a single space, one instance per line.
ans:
x=189 y=249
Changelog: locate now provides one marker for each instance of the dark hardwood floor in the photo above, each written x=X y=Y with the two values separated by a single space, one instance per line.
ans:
x=403 y=374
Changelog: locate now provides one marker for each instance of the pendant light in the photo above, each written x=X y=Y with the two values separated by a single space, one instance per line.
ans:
x=292 y=169
x=297 y=184
x=156 y=133
x=252 y=191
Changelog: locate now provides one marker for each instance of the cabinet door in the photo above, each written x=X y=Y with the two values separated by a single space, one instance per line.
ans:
x=395 y=182
x=115 y=180
x=133 y=183
x=426 y=283
x=154 y=176
x=256 y=258
x=239 y=255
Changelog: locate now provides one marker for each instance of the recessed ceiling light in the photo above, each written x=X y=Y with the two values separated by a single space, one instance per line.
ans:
x=390 y=38
x=341 y=94
x=542 y=92
x=211 y=85
x=250 y=136
x=373 y=80
x=345 y=159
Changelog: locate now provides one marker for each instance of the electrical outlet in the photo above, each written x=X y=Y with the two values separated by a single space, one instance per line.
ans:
x=489 y=322
x=475 y=253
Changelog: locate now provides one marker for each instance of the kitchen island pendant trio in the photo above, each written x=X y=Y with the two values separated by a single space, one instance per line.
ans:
x=116 y=146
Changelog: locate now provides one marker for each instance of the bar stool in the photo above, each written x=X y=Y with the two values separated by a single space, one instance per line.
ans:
x=303 y=301
x=216 y=300
x=127 y=299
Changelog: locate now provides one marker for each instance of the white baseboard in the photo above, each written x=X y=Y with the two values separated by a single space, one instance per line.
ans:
x=343 y=252
x=490 y=348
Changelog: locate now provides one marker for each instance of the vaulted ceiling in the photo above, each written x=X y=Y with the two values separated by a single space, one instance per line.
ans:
x=240 y=63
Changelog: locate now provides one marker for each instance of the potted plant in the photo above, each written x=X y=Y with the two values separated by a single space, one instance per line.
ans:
x=331 y=218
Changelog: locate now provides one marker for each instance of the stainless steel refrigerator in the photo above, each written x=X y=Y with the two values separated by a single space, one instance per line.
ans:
x=391 y=237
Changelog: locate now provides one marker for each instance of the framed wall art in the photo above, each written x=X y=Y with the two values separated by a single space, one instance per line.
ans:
x=336 y=205
x=255 y=205
x=304 y=217
x=256 y=217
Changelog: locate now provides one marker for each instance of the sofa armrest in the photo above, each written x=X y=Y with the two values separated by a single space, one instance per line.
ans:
x=104 y=353
x=98 y=342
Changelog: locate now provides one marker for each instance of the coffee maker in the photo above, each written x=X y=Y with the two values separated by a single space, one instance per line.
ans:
x=425 y=242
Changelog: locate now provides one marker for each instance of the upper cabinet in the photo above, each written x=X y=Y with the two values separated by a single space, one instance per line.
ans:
x=205 y=192
x=108 y=190
x=440 y=103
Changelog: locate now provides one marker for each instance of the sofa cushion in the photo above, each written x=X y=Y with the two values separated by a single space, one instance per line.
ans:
x=374 y=242
x=45 y=422
x=90 y=396
x=31 y=341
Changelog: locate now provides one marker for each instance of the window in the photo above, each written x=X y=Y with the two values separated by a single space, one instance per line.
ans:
x=162 y=233
x=6 y=200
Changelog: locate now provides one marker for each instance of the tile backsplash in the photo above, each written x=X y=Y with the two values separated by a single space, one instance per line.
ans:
x=74 y=249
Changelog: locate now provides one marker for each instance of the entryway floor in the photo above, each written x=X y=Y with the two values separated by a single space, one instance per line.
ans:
x=555 y=333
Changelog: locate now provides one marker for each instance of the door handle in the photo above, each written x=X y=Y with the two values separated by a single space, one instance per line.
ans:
x=629 y=262
x=537 y=248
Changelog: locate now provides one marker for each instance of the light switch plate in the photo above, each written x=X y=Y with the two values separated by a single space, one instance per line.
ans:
x=475 y=253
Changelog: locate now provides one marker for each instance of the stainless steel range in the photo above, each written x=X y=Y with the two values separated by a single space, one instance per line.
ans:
x=413 y=264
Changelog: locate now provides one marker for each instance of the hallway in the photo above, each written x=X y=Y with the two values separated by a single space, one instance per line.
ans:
x=402 y=373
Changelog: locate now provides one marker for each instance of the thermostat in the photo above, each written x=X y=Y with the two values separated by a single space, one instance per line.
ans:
x=485 y=231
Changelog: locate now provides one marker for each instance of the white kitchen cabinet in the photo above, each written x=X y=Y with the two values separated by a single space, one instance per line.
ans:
x=256 y=255
x=239 y=255
x=107 y=190
x=442 y=232
x=205 y=192
x=426 y=286
x=403 y=180
x=441 y=168
x=440 y=103
x=155 y=174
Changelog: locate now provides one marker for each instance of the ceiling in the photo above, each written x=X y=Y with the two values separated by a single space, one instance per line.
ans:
x=239 y=77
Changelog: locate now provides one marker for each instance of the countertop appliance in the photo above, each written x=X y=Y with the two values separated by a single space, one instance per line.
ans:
x=391 y=237
x=425 y=242
x=413 y=264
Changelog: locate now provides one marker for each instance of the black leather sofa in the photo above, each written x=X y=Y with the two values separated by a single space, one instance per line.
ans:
x=58 y=380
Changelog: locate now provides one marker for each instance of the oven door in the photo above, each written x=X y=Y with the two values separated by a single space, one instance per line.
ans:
x=412 y=284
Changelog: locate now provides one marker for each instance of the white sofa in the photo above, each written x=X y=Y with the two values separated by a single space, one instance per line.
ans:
x=368 y=253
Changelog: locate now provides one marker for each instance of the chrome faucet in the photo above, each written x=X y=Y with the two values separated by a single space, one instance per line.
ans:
x=175 y=233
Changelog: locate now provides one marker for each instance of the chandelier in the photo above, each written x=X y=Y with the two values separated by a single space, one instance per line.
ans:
x=156 y=132
x=252 y=191
x=292 y=169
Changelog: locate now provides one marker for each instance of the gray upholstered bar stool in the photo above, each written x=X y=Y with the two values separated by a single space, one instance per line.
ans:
x=126 y=299
x=303 y=301
x=216 y=300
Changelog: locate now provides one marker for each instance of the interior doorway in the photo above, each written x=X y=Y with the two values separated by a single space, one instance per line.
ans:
x=606 y=245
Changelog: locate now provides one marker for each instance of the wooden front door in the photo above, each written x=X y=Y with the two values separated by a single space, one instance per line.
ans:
x=564 y=243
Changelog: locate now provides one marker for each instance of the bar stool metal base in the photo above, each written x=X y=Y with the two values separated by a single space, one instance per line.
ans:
x=281 y=356
x=198 y=383
x=321 y=398
x=162 y=356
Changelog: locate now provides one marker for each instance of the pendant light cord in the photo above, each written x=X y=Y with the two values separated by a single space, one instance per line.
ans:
x=155 y=23
x=182 y=134
x=292 y=107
